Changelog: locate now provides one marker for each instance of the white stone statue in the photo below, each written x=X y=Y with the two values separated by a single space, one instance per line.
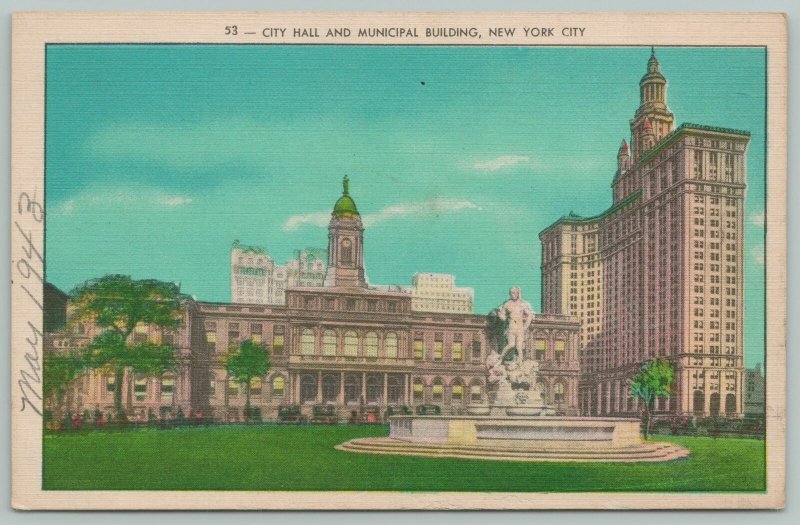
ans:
x=515 y=377
x=519 y=314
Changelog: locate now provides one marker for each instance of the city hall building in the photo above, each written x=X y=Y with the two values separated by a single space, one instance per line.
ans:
x=660 y=272
x=343 y=343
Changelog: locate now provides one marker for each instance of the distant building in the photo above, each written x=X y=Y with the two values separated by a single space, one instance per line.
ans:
x=54 y=303
x=754 y=392
x=437 y=292
x=659 y=273
x=256 y=279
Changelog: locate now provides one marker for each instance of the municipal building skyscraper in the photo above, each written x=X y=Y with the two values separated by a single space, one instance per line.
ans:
x=660 y=272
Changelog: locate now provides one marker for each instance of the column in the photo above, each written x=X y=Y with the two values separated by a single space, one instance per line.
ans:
x=340 y=399
x=599 y=399
x=319 y=387
x=385 y=389
x=364 y=387
x=407 y=388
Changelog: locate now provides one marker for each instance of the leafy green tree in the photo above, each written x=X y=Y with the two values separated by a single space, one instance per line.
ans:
x=653 y=380
x=117 y=304
x=248 y=361
x=60 y=371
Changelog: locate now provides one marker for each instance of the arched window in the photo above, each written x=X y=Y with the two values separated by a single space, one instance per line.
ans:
x=475 y=391
x=255 y=386
x=699 y=402
x=233 y=387
x=350 y=344
x=394 y=388
x=714 y=402
x=330 y=388
x=457 y=391
x=390 y=345
x=308 y=388
x=329 y=343
x=352 y=388
x=543 y=391
x=371 y=344
x=559 y=391
x=419 y=391
x=307 y=342
x=437 y=391
x=167 y=387
x=374 y=388
x=278 y=386
x=730 y=404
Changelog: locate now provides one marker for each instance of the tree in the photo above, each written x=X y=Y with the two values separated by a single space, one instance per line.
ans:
x=249 y=361
x=653 y=380
x=118 y=304
x=60 y=370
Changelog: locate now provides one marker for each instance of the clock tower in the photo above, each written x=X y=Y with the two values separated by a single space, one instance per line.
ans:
x=345 y=243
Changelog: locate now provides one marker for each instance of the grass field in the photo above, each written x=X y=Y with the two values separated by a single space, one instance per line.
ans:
x=303 y=458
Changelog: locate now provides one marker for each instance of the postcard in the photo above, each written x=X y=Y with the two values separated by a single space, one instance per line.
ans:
x=398 y=260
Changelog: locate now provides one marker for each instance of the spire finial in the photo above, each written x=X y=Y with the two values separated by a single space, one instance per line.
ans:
x=346 y=185
x=652 y=51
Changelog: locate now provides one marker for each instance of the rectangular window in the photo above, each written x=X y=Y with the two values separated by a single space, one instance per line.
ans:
x=476 y=350
x=438 y=350
x=255 y=332
x=541 y=349
x=167 y=388
x=560 y=350
x=278 y=340
x=140 y=388
x=233 y=331
x=255 y=386
x=458 y=351
x=419 y=349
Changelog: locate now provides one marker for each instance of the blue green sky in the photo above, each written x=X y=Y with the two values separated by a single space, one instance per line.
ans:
x=158 y=157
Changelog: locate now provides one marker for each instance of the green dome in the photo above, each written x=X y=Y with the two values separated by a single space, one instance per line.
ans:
x=345 y=206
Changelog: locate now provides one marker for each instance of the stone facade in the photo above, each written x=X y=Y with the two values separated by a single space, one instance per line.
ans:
x=343 y=344
x=660 y=273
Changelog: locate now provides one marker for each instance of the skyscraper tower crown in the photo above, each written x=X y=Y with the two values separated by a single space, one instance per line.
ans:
x=653 y=119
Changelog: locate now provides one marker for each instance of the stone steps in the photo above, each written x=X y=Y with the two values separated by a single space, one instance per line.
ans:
x=646 y=452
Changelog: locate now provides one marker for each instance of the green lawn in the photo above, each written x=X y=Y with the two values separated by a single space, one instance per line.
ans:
x=303 y=458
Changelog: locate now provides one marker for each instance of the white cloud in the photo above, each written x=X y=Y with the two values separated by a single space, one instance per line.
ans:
x=499 y=163
x=319 y=219
x=757 y=252
x=758 y=218
x=429 y=208
x=432 y=207
x=93 y=198
x=176 y=201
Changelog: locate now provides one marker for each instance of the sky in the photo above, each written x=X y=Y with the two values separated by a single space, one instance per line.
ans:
x=159 y=156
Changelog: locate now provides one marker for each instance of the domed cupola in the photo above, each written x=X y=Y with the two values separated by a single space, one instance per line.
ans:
x=345 y=243
x=345 y=206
